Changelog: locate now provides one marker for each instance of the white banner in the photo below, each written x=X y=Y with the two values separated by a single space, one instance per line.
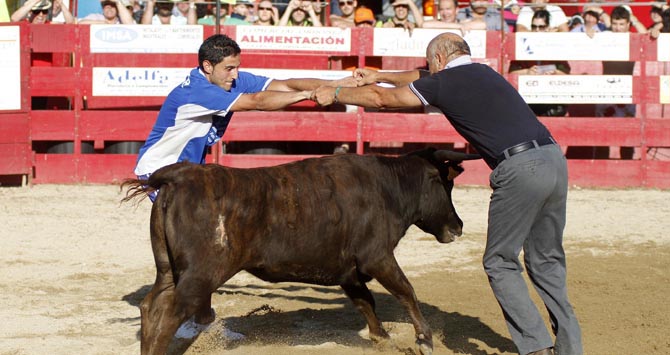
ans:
x=399 y=43
x=572 y=46
x=145 y=39
x=137 y=81
x=282 y=74
x=160 y=81
x=10 y=68
x=327 y=39
x=664 y=89
x=576 y=89
x=663 y=51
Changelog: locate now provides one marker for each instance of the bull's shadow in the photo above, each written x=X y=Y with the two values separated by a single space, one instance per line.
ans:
x=332 y=318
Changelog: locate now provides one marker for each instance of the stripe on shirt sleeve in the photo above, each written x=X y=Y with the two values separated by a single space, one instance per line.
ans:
x=418 y=94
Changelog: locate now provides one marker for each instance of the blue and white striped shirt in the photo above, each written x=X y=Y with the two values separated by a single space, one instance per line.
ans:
x=194 y=116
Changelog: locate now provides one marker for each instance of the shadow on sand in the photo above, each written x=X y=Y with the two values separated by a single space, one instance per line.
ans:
x=329 y=316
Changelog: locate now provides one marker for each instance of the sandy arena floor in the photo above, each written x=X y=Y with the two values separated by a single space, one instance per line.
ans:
x=75 y=264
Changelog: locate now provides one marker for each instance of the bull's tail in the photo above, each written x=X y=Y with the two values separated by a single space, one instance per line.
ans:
x=141 y=188
x=136 y=189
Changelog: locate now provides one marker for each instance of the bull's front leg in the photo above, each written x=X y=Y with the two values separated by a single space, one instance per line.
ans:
x=362 y=298
x=389 y=275
x=205 y=314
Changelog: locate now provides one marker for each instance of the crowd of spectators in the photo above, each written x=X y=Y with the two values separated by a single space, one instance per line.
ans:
x=495 y=15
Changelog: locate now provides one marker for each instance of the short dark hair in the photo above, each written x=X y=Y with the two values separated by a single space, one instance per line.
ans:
x=544 y=15
x=666 y=21
x=620 y=13
x=594 y=14
x=217 y=47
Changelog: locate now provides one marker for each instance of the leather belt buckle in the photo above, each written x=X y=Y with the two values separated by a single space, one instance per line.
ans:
x=522 y=147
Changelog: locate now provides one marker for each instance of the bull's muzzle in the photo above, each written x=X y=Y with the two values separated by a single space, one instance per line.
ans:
x=450 y=234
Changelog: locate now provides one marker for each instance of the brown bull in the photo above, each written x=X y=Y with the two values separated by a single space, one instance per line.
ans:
x=328 y=221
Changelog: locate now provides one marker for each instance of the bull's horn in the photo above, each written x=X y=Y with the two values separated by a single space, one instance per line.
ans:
x=443 y=155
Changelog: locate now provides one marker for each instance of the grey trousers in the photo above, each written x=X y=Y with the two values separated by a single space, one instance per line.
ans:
x=527 y=210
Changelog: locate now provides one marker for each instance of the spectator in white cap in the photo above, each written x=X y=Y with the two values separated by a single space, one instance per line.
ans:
x=163 y=13
x=114 y=12
x=33 y=11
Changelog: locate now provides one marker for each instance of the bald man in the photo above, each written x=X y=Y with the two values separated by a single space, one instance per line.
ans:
x=529 y=181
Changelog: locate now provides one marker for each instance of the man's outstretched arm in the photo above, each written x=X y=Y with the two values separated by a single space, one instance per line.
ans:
x=395 y=78
x=309 y=83
x=269 y=100
x=368 y=96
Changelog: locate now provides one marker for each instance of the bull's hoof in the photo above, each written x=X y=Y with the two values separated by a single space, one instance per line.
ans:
x=380 y=337
x=424 y=346
x=190 y=329
x=205 y=317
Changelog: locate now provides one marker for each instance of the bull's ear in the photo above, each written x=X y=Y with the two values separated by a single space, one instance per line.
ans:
x=450 y=155
x=454 y=171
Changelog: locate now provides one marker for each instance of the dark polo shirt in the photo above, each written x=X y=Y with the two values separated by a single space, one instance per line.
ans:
x=482 y=106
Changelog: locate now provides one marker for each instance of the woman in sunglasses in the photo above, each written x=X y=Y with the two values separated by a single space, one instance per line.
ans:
x=33 y=11
x=541 y=22
x=268 y=15
x=40 y=12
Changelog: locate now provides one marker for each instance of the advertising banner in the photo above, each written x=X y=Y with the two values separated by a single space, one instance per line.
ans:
x=577 y=89
x=572 y=46
x=145 y=39
x=398 y=42
x=10 y=68
x=327 y=39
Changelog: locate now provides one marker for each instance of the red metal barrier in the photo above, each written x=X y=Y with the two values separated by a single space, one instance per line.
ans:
x=91 y=126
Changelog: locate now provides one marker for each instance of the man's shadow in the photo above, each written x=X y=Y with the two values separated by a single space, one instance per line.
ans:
x=338 y=321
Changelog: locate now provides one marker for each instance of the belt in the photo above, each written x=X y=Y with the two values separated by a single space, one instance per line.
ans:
x=522 y=147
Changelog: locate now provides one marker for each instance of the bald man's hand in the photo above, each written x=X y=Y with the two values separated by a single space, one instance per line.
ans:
x=324 y=95
x=365 y=76
x=347 y=81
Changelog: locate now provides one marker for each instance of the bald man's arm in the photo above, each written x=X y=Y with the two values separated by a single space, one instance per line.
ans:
x=395 y=78
x=368 y=96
